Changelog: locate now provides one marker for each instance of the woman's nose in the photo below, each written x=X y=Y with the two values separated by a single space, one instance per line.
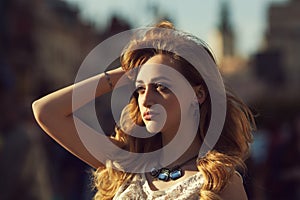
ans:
x=148 y=97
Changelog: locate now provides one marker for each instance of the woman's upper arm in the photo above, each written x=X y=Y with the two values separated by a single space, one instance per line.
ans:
x=54 y=113
x=234 y=190
x=63 y=130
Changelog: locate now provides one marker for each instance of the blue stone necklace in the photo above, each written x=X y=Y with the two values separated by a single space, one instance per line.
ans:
x=166 y=174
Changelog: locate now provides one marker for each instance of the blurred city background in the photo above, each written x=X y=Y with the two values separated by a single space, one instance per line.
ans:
x=44 y=42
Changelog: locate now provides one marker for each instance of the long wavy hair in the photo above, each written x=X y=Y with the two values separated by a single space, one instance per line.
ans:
x=232 y=148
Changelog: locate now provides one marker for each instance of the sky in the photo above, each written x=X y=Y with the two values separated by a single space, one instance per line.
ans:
x=199 y=17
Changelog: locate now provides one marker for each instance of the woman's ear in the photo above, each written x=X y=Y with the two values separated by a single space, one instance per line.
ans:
x=200 y=93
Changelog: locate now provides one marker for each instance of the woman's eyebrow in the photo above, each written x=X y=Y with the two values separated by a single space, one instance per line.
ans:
x=160 y=78
x=139 y=81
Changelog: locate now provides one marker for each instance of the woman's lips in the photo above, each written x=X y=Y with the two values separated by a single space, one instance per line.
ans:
x=148 y=115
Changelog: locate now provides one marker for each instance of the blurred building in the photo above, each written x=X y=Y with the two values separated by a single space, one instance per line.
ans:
x=223 y=43
x=277 y=66
x=274 y=71
x=279 y=62
x=225 y=37
x=236 y=70
x=43 y=42
x=62 y=41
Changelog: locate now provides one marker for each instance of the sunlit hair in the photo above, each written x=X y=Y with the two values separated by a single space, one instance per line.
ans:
x=232 y=148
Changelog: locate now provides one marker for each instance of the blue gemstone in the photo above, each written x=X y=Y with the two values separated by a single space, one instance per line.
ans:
x=163 y=177
x=175 y=174
x=164 y=174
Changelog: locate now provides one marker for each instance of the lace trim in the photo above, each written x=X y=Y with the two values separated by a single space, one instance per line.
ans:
x=196 y=179
x=139 y=188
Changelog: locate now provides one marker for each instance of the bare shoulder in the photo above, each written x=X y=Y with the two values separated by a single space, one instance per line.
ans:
x=235 y=189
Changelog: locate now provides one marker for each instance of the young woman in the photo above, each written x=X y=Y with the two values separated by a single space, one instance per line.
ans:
x=171 y=101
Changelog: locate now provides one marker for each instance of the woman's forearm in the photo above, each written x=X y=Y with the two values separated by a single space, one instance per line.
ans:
x=59 y=103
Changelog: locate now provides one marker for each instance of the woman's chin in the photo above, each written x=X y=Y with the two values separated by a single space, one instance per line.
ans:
x=154 y=127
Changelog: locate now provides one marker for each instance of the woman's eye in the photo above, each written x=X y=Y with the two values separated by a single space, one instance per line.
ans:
x=140 y=90
x=161 y=87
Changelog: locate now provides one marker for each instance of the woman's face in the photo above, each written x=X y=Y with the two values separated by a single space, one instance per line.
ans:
x=156 y=84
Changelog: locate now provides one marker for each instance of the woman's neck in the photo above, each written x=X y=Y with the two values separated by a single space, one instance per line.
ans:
x=191 y=151
x=188 y=135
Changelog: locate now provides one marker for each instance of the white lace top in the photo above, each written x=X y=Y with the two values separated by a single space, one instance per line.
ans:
x=139 y=189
